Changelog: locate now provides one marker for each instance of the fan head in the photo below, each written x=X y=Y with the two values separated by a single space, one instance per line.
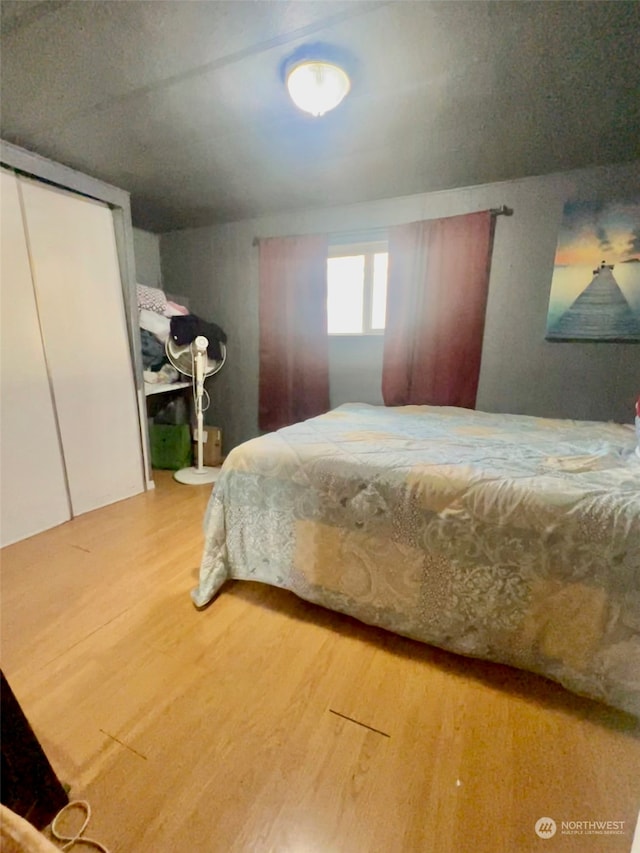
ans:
x=182 y=357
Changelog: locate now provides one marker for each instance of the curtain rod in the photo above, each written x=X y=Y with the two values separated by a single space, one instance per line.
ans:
x=503 y=210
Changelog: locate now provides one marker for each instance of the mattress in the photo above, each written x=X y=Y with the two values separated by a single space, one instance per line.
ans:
x=505 y=537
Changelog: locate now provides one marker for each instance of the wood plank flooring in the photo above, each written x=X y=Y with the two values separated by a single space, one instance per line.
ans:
x=264 y=723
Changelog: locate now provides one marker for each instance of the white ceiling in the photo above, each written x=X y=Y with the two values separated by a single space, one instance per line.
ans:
x=182 y=103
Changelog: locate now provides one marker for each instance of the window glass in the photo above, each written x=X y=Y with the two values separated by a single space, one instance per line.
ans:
x=379 y=292
x=345 y=294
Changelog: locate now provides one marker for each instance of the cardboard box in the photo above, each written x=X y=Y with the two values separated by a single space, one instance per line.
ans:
x=212 y=447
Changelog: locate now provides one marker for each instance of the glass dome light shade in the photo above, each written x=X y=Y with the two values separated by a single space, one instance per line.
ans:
x=317 y=87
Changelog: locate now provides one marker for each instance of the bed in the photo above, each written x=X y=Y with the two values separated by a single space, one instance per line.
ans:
x=505 y=537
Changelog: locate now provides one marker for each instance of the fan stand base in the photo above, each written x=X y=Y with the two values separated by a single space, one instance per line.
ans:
x=197 y=477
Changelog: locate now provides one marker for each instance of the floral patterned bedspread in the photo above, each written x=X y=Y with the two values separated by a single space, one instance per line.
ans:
x=505 y=537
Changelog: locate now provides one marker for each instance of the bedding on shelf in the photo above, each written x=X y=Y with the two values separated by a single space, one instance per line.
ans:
x=154 y=318
x=505 y=537
x=159 y=319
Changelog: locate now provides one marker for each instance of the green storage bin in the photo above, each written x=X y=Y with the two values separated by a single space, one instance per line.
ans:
x=170 y=446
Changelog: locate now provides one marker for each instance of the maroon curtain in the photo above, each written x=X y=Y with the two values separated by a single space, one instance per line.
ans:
x=436 y=302
x=294 y=347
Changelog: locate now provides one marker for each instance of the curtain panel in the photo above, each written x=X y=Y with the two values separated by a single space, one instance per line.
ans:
x=294 y=346
x=436 y=303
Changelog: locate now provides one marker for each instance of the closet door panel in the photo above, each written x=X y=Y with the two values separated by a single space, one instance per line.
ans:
x=77 y=283
x=33 y=495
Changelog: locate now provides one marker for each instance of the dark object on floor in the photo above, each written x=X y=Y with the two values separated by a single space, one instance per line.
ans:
x=30 y=788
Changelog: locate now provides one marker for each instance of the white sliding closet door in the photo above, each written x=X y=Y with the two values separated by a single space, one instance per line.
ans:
x=33 y=494
x=76 y=277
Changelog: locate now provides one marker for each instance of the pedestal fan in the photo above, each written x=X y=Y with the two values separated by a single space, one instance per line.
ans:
x=192 y=360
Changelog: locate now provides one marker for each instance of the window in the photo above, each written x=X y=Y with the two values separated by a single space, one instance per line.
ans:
x=357 y=289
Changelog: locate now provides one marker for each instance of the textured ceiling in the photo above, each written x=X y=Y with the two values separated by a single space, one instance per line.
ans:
x=182 y=103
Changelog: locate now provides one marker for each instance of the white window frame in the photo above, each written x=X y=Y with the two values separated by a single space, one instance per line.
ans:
x=368 y=249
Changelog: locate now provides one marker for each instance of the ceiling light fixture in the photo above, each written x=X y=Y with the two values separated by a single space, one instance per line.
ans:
x=317 y=86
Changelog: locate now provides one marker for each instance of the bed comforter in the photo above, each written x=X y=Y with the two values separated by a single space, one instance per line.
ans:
x=505 y=537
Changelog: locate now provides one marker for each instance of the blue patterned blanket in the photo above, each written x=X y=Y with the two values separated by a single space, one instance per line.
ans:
x=506 y=537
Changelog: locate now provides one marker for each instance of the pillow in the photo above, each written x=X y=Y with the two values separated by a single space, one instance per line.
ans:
x=151 y=298
x=172 y=309
x=155 y=323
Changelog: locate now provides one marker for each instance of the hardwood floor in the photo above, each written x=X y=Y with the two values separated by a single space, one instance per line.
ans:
x=264 y=723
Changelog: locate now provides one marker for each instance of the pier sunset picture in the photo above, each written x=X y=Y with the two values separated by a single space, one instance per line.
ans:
x=595 y=290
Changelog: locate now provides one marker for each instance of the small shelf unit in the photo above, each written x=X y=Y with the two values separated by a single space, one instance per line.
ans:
x=163 y=387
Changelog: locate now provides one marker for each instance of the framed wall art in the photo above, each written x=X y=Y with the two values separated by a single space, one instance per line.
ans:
x=595 y=290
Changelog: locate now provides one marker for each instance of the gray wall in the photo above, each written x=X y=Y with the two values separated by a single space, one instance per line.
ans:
x=521 y=372
x=146 y=248
x=355 y=369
